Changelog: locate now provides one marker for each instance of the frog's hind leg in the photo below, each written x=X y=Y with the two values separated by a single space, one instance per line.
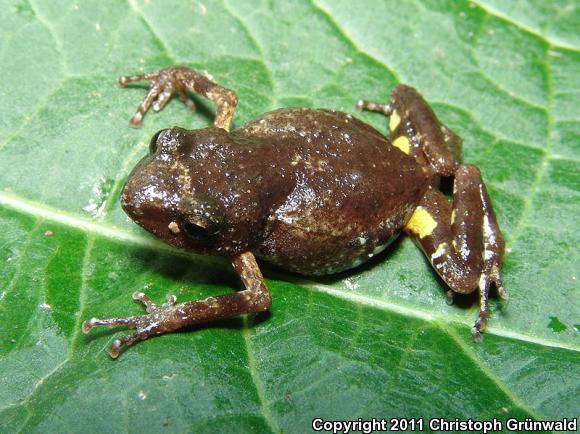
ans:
x=462 y=239
x=164 y=83
x=416 y=131
x=170 y=316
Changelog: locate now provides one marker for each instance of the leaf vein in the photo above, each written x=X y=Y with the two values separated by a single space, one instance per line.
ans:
x=415 y=312
x=487 y=372
x=153 y=33
x=151 y=243
x=317 y=7
x=500 y=15
x=543 y=163
x=260 y=49
x=50 y=29
x=264 y=405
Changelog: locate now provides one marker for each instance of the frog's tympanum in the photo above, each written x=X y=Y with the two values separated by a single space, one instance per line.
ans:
x=312 y=191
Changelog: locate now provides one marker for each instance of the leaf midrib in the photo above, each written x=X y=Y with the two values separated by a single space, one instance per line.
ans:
x=97 y=228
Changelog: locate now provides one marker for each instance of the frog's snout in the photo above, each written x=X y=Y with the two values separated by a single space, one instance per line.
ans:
x=146 y=205
x=145 y=199
x=132 y=200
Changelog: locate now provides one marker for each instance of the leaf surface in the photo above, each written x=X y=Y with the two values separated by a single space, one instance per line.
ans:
x=377 y=342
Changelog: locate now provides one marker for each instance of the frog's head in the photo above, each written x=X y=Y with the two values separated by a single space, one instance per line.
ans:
x=183 y=193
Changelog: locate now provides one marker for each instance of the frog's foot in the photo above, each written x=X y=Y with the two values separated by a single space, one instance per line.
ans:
x=490 y=276
x=481 y=321
x=462 y=239
x=159 y=320
x=151 y=307
x=163 y=84
x=160 y=90
x=170 y=316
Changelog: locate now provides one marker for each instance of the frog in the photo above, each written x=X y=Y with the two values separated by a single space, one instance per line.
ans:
x=313 y=191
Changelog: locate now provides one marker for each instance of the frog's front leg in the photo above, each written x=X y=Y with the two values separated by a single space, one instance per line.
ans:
x=163 y=84
x=171 y=316
x=462 y=240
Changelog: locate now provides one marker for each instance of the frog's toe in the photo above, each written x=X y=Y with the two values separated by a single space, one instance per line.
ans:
x=124 y=80
x=130 y=321
x=154 y=90
x=162 y=98
x=489 y=277
x=144 y=325
x=495 y=278
x=149 y=305
x=126 y=341
x=385 y=109
x=159 y=319
x=479 y=326
x=476 y=334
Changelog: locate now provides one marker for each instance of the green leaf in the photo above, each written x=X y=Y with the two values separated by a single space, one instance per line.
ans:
x=377 y=342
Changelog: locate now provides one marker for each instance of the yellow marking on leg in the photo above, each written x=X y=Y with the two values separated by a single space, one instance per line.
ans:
x=421 y=223
x=394 y=121
x=452 y=216
x=402 y=142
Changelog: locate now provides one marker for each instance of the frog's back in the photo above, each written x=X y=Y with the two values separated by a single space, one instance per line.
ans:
x=351 y=191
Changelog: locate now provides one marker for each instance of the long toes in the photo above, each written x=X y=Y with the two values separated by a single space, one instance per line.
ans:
x=149 y=305
x=115 y=348
x=118 y=344
x=374 y=107
x=476 y=334
x=130 y=321
x=124 y=80
x=479 y=326
x=495 y=278
x=88 y=325
x=154 y=90
x=162 y=99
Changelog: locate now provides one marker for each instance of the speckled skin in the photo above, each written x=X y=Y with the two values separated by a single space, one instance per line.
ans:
x=313 y=191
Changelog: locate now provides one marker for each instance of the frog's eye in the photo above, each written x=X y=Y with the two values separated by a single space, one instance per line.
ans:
x=153 y=144
x=198 y=227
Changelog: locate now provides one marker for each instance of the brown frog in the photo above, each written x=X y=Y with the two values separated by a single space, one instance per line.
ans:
x=313 y=191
